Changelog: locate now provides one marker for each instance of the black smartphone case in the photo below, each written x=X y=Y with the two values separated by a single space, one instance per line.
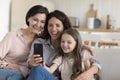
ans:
x=38 y=49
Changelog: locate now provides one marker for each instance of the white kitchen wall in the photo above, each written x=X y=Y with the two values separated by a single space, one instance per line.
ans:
x=20 y=8
x=4 y=17
x=75 y=8
x=78 y=8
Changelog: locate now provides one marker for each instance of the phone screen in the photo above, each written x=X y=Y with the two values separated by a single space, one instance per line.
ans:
x=38 y=49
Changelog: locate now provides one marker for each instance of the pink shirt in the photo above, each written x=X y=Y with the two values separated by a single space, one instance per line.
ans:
x=15 y=49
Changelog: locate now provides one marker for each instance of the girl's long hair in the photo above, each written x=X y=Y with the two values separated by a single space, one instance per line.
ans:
x=77 y=65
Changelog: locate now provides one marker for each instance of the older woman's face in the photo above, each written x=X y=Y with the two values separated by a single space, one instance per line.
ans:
x=55 y=28
x=37 y=22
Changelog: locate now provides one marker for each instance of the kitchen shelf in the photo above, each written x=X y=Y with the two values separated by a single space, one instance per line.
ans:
x=97 y=30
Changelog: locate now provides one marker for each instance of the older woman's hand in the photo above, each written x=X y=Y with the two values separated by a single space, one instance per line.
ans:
x=13 y=66
x=85 y=76
x=90 y=49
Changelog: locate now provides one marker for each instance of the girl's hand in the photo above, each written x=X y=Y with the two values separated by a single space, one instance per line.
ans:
x=47 y=68
x=35 y=60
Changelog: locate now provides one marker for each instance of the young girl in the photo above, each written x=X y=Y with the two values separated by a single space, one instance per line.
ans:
x=73 y=58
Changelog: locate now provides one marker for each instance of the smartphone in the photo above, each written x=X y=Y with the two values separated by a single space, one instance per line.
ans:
x=38 y=49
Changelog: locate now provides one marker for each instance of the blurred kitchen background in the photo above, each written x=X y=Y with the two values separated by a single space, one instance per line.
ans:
x=106 y=43
x=16 y=11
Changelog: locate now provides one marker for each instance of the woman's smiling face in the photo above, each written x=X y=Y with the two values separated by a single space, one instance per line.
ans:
x=37 y=22
x=55 y=28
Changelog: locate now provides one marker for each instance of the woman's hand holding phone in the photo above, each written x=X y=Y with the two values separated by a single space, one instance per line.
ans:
x=38 y=50
x=35 y=60
x=37 y=57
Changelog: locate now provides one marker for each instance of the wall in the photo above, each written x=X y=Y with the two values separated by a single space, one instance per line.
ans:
x=20 y=8
x=78 y=8
x=4 y=17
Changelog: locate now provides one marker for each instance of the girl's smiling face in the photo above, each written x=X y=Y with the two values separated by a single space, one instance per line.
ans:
x=68 y=43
